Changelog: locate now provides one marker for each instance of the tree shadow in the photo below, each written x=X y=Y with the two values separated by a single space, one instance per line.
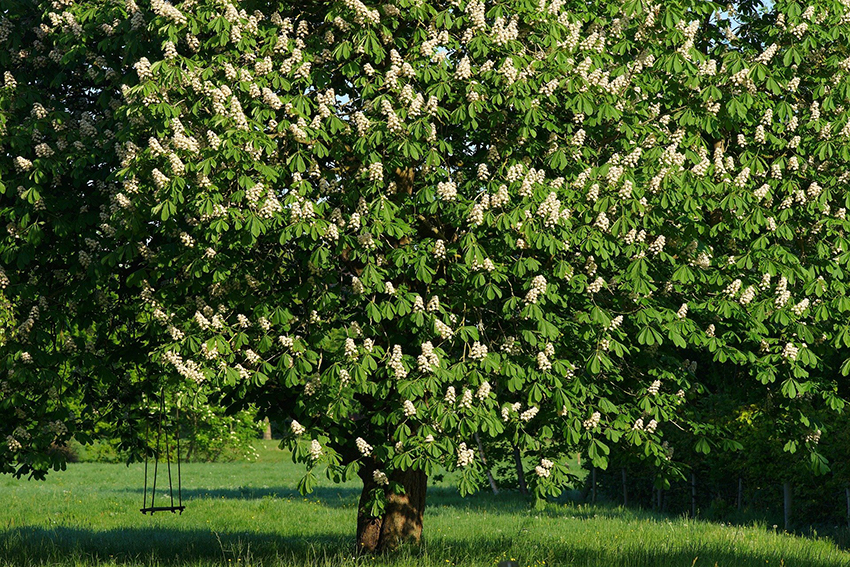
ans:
x=347 y=496
x=170 y=547
x=333 y=496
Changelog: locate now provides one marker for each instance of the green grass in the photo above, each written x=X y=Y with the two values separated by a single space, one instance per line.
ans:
x=250 y=514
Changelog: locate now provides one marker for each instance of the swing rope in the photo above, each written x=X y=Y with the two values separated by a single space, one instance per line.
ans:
x=153 y=508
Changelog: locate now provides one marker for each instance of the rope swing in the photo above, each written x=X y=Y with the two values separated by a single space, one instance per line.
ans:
x=153 y=508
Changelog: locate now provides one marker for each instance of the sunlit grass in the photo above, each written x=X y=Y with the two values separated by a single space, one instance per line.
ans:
x=250 y=514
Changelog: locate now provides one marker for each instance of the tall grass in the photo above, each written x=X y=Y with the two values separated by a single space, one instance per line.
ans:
x=244 y=514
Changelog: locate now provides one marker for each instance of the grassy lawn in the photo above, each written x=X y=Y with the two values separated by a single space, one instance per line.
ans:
x=250 y=514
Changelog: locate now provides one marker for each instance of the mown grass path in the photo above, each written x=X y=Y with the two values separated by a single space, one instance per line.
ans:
x=250 y=514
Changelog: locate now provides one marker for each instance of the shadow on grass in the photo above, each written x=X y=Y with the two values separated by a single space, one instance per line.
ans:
x=163 y=547
x=347 y=496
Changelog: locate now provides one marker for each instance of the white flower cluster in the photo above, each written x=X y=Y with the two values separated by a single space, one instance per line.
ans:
x=508 y=409
x=531 y=178
x=297 y=428
x=43 y=150
x=428 y=360
x=478 y=351
x=465 y=456
x=538 y=288
x=159 y=178
x=476 y=214
x=658 y=245
x=683 y=311
x=732 y=289
x=466 y=399
x=800 y=307
x=782 y=293
x=380 y=478
x=813 y=437
x=529 y=414
x=440 y=250
x=654 y=388
x=395 y=363
x=500 y=197
x=790 y=351
x=408 y=408
x=376 y=172
x=350 y=348
x=767 y=54
x=596 y=285
x=13 y=444
x=447 y=190
x=188 y=369
x=483 y=391
x=543 y=362
x=433 y=304
x=166 y=10
x=315 y=450
x=544 y=469
x=22 y=164
x=748 y=295
x=592 y=421
x=443 y=330
x=451 y=395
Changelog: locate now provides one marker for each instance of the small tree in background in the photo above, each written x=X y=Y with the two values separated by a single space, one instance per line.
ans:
x=398 y=225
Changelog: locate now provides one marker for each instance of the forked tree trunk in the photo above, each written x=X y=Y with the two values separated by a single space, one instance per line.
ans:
x=402 y=519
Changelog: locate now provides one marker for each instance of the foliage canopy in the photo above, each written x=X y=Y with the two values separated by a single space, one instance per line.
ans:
x=401 y=224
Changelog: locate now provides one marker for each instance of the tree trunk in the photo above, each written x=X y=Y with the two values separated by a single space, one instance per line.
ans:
x=402 y=519
x=493 y=486
x=520 y=473
x=267 y=432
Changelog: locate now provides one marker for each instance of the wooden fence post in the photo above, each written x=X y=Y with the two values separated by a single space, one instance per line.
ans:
x=693 y=495
x=593 y=485
x=740 y=493
x=625 y=489
x=786 y=492
x=847 y=495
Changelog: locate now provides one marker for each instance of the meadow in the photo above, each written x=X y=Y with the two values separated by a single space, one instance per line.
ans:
x=249 y=514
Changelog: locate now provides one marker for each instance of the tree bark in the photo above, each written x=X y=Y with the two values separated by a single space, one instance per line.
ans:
x=493 y=486
x=520 y=473
x=402 y=518
x=267 y=431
